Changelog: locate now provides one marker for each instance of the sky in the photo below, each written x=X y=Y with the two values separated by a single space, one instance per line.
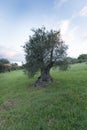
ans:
x=18 y=17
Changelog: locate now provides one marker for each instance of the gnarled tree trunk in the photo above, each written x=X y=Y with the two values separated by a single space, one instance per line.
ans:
x=43 y=78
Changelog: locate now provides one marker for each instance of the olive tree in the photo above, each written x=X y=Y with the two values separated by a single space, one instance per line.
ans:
x=44 y=50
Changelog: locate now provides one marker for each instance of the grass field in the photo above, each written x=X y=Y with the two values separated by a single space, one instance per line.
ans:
x=62 y=105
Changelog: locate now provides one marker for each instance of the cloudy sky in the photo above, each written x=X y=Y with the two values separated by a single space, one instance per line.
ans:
x=18 y=17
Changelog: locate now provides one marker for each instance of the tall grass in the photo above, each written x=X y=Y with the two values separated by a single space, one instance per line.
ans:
x=62 y=105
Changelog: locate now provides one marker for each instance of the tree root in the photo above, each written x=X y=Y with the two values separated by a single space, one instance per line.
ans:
x=42 y=83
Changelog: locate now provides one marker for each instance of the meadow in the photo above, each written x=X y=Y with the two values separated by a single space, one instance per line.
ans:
x=61 y=105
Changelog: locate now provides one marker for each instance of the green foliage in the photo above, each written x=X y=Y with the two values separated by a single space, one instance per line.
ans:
x=82 y=58
x=72 y=60
x=44 y=49
x=5 y=65
x=14 y=66
x=1 y=67
x=62 y=105
x=4 y=61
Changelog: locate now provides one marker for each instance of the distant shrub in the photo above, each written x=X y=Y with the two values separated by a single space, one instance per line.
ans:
x=82 y=58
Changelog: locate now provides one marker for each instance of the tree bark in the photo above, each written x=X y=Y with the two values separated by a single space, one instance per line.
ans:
x=44 y=78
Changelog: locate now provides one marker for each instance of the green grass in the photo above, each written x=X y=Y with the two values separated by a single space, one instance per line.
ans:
x=62 y=105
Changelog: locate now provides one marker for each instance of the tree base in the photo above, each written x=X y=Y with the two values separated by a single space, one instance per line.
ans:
x=42 y=82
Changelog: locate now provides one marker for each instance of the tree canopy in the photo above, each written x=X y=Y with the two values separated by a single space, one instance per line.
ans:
x=44 y=50
x=82 y=58
x=4 y=61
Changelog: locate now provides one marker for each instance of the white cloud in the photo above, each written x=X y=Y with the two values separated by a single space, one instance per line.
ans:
x=59 y=3
x=6 y=53
x=12 y=54
x=83 y=12
x=77 y=45
x=15 y=32
x=70 y=34
x=64 y=25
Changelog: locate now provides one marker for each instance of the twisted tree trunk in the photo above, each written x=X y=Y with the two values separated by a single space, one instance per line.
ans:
x=44 y=77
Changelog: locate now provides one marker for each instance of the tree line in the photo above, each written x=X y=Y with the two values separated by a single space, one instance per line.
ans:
x=81 y=58
x=5 y=65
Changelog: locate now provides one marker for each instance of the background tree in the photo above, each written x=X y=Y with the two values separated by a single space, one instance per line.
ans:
x=2 y=62
x=72 y=60
x=82 y=58
x=44 y=50
x=14 y=66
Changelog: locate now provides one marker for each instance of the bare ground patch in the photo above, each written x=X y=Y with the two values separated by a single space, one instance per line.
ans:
x=6 y=107
x=10 y=104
